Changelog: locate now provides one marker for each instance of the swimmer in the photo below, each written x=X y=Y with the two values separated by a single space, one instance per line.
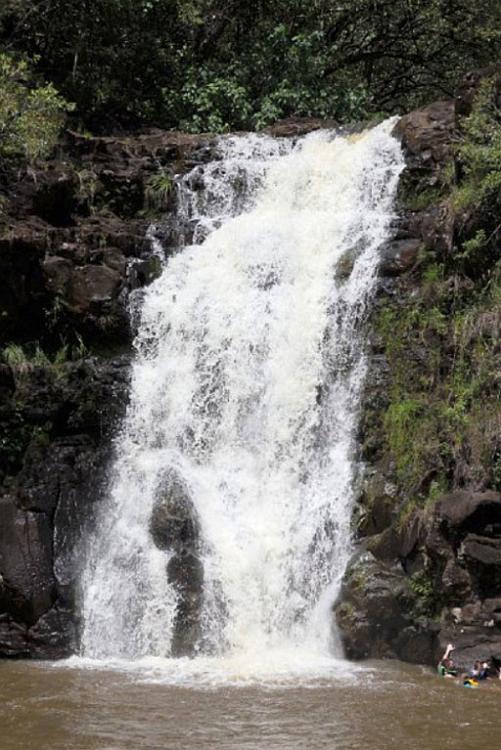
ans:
x=446 y=666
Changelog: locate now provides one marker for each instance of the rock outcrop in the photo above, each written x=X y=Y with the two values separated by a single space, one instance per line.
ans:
x=73 y=248
x=428 y=523
x=74 y=243
x=58 y=426
x=175 y=528
x=432 y=580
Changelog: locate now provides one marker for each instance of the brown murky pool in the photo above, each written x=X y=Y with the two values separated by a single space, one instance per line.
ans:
x=383 y=706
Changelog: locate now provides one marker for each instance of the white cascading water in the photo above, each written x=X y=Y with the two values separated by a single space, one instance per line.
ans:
x=250 y=361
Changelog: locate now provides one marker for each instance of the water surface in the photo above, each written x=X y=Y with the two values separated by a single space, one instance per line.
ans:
x=383 y=706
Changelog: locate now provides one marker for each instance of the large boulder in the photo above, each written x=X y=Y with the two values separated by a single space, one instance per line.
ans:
x=55 y=635
x=482 y=558
x=92 y=285
x=26 y=575
x=185 y=573
x=465 y=510
x=174 y=524
x=379 y=616
x=426 y=134
x=399 y=256
x=175 y=527
x=369 y=612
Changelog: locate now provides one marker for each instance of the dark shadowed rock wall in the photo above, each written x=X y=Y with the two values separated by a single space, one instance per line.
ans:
x=73 y=249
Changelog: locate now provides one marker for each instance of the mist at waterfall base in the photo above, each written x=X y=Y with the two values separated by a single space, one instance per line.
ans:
x=246 y=384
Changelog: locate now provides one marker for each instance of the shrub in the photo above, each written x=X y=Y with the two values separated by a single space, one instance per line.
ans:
x=31 y=116
x=157 y=190
x=479 y=150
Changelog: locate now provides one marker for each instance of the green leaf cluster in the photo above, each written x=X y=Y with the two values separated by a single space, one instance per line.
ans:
x=31 y=116
x=479 y=150
x=157 y=190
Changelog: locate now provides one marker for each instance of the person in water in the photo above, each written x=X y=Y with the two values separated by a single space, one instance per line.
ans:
x=446 y=666
x=480 y=670
x=476 y=670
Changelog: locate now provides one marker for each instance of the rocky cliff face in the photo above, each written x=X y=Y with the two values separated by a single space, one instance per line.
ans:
x=428 y=525
x=74 y=256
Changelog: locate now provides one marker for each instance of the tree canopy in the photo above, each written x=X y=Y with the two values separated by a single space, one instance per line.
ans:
x=227 y=64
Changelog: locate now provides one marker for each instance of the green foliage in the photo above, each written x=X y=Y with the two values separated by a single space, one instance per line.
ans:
x=400 y=424
x=479 y=151
x=471 y=247
x=443 y=420
x=476 y=197
x=23 y=360
x=30 y=117
x=215 y=65
x=80 y=350
x=418 y=200
x=15 y=356
x=214 y=103
x=157 y=190
x=88 y=187
x=421 y=585
x=423 y=589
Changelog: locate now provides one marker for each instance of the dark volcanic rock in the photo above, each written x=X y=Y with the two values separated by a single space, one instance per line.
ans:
x=91 y=285
x=25 y=562
x=78 y=229
x=426 y=136
x=374 y=614
x=66 y=419
x=297 y=126
x=482 y=557
x=457 y=581
x=174 y=524
x=399 y=256
x=55 y=635
x=13 y=637
x=432 y=575
x=432 y=579
x=185 y=573
x=470 y=511
x=56 y=196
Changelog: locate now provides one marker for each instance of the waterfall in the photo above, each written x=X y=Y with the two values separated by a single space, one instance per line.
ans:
x=245 y=388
